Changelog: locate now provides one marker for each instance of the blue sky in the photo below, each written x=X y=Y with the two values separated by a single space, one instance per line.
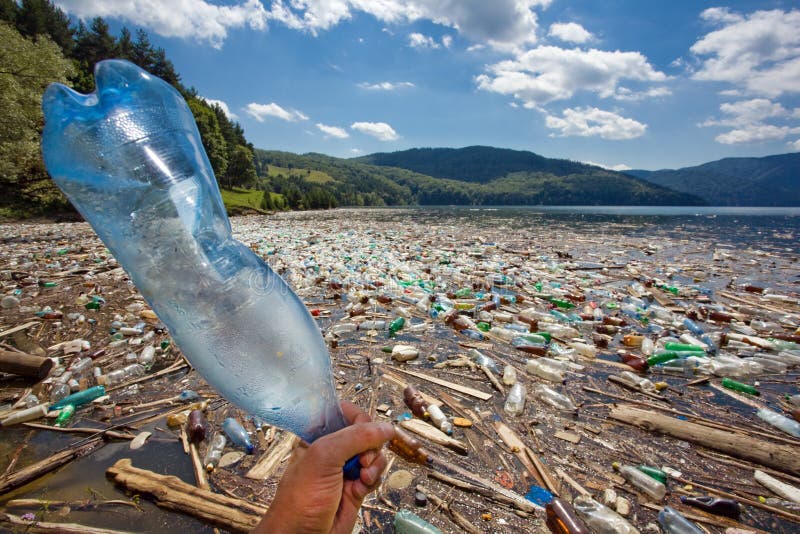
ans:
x=620 y=83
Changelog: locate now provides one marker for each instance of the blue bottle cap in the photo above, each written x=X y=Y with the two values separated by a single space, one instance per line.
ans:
x=352 y=469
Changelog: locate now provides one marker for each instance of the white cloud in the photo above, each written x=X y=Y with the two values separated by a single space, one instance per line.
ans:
x=756 y=132
x=758 y=53
x=447 y=41
x=795 y=145
x=501 y=24
x=720 y=15
x=333 y=131
x=569 y=32
x=197 y=19
x=260 y=111
x=619 y=167
x=747 y=112
x=385 y=86
x=623 y=93
x=417 y=40
x=548 y=73
x=225 y=109
x=378 y=130
x=593 y=122
x=356 y=151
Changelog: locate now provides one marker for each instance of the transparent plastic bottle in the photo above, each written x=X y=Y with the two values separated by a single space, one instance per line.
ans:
x=674 y=523
x=555 y=399
x=214 y=451
x=130 y=159
x=439 y=419
x=546 y=368
x=515 y=402
x=600 y=519
x=780 y=421
x=237 y=434
x=509 y=375
x=645 y=483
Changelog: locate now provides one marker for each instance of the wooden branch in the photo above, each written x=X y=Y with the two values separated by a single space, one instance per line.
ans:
x=528 y=458
x=493 y=379
x=482 y=395
x=172 y=493
x=520 y=503
x=457 y=518
x=780 y=457
x=435 y=435
x=23 y=525
x=25 y=326
x=32 y=472
x=75 y=505
x=19 y=363
x=198 y=468
x=79 y=430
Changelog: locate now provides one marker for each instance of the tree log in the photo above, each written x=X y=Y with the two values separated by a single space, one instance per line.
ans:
x=19 y=363
x=23 y=525
x=781 y=457
x=42 y=467
x=172 y=493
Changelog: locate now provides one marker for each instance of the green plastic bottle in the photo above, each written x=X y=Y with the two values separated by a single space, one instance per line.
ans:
x=563 y=304
x=80 y=398
x=683 y=347
x=396 y=325
x=483 y=327
x=662 y=357
x=657 y=474
x=738 y=386
x=65 y=415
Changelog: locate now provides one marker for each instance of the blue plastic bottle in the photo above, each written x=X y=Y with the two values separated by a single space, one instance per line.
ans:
x=237 y=434
x=130 y=159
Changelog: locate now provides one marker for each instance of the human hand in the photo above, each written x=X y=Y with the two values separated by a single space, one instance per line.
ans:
x=313 y=495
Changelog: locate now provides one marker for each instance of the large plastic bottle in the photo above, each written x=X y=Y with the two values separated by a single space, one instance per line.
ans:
x=780 y=421
x=237 y=434
x=672 y=522
x=643 y=482
x=555 y=399
x=130 y=159
x=515 y=402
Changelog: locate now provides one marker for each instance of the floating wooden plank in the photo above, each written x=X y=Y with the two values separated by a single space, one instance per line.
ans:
x=784 y=458
x=32 y=526
x=568 y=436
x=482 y=395
x=42 y=467
x=170 y=492
x=25 y=326
x=270 y=461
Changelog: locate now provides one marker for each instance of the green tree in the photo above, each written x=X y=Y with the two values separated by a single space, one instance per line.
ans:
x=26 y=68
x=92 y=44
x=213 y=142
x=241 y=171
x=42 y=17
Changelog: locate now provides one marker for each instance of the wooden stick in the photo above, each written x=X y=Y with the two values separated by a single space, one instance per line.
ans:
x=493 y=379
x=32 y=472
x=198 y=468
x=25 y=326
x=780 y=457
x=23 y=525
x=457 y=518
x=19 y=363
x=621 y=382
x=172 y=493
x=269 y=462
x=482 y=395
x=75 y=505
x=435 y=435
x=528 y=458
x=520 y=503
x=78 y=430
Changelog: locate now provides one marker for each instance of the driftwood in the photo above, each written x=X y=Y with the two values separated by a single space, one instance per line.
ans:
x=435 y=435
x=32 y=472
x=777 y=456
x=457 y=518
x=74 y=505
x=482 y=395
x=528 y=458
x=23 y=525
x=19 y=363
x=269 y=462
x=520 y=503
x=199 y=469
x=172 y=493
x=19 y=328
x=113 y=434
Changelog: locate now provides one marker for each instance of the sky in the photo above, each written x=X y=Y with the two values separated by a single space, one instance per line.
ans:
x=624 y=84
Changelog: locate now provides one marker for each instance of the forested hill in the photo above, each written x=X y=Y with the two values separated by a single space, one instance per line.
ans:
x=767 y=181
x=354 y=182
x=475 y=163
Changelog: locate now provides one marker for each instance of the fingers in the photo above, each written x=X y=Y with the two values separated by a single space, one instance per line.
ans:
x=335 y=449
x=353 y=414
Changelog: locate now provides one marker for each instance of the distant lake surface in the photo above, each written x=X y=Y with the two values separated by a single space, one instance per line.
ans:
x=776 y=229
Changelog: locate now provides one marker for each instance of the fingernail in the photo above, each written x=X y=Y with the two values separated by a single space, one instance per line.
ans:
x=367 y=458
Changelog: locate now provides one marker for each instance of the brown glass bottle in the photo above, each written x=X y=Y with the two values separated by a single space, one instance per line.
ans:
x=561 y=518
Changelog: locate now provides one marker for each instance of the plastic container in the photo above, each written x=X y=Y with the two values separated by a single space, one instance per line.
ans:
x=130 y=159
x=714 y=505
x=554 y=398
x=645 y=483
x=439 y=419
x=780 y=421
x=509 y=375
x=214 y=451
x=65 y=415
x=600 y=519
x=738 y=386
x=544 y=369
x=23 y=416
x=672 y=522
x=196 y=426
x=515 y=402
x=80 y=398
x=406 y=522
x=237 y=434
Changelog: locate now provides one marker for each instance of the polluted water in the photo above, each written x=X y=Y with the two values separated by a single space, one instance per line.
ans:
x=567 y=373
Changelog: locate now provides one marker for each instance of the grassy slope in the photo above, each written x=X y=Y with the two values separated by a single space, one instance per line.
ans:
x=238 y=201
x=314 y=176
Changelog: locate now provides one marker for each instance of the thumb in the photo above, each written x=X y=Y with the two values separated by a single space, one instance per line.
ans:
x=335 y=449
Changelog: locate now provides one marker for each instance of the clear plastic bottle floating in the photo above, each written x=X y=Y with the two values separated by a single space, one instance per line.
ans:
x=130 y=159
